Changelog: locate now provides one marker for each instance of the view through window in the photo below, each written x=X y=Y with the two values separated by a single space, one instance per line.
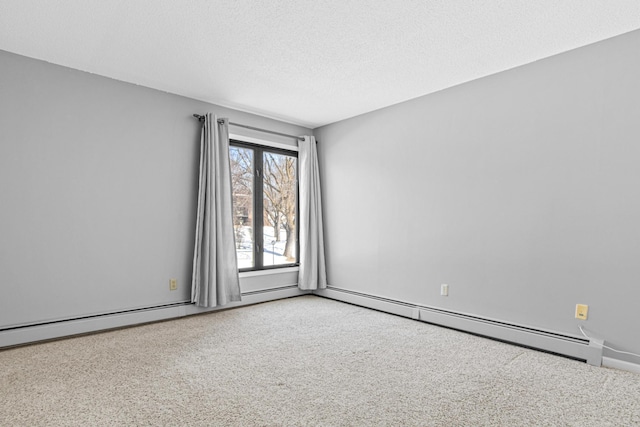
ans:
x=265 y=182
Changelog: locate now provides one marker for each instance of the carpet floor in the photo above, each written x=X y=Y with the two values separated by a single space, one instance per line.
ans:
x=304 y=361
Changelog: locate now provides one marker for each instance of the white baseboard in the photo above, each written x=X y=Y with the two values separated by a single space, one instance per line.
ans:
x=609 y=362
x=66 y=328
x=589 y=350
x=31 y=334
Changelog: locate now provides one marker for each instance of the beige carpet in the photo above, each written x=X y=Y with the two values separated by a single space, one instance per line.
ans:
x=305 y=361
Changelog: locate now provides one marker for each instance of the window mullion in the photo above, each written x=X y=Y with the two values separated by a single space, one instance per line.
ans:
x=258 y=203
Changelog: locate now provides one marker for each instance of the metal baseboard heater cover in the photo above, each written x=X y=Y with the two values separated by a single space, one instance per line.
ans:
x=25 y=334
x=588 y=350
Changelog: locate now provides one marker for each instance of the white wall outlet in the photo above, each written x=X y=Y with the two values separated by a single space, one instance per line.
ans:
x=173 y=284
x=444 y=290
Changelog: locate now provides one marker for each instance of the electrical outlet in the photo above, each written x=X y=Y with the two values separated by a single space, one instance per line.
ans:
x=581 y=311
x=173 y=284
x=444 y=290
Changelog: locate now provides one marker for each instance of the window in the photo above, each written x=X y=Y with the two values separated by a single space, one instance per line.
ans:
x=265 y=205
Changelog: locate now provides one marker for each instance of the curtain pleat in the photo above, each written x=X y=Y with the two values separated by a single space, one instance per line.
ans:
x=215 y=279
x=312 y=273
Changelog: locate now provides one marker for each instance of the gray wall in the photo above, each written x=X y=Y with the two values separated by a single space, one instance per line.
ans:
x=98 y=183
x=520 y=190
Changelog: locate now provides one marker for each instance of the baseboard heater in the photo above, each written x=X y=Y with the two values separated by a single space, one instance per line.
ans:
x=34 y=332
x=587 y=350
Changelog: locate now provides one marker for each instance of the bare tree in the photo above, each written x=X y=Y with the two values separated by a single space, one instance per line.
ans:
x=279 y=190
x=241 y=162
x=280 y=198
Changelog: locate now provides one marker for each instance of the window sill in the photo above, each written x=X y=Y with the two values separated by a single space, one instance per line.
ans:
x=268 y=272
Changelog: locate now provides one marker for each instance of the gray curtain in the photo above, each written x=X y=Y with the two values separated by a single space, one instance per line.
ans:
x=312 y=273
x=215 y=279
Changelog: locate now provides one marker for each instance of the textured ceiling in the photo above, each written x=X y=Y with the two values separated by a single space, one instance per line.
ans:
x=306 y=62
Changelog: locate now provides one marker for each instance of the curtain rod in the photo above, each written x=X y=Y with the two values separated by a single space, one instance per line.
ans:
x=201 y=119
